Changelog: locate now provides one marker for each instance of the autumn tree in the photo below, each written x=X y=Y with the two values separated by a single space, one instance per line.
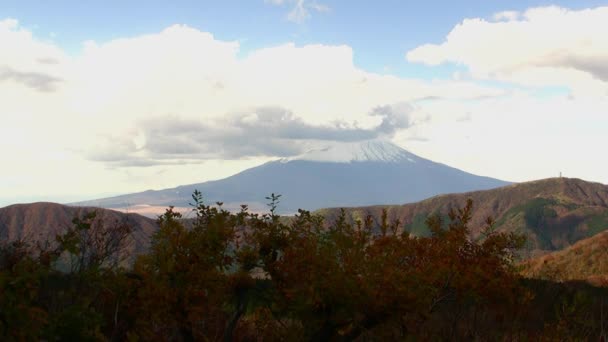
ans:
x=245 y=276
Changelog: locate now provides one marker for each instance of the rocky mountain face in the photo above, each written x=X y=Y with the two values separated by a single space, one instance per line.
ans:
x=553 y=213
x=340 y=174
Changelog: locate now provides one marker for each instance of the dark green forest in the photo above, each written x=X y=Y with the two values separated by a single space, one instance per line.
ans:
x=261 y=277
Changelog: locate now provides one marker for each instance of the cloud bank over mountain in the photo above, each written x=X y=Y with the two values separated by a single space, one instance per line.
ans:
x=265 y=131
x=181 y=105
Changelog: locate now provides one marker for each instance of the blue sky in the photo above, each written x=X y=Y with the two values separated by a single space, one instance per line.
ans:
x=380 y=32
x=123 y=96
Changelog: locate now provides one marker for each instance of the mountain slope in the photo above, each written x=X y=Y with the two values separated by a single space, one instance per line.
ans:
x=42 y=221
x=585 y=260
x=346 y=174
x=554 y=213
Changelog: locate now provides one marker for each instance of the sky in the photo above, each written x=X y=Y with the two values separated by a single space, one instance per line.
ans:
x=99 y=98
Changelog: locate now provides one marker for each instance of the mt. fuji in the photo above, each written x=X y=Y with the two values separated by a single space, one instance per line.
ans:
x=366 y=151
x=336 y=175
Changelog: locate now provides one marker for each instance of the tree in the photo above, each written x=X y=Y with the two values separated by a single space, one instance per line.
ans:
x=245 y=276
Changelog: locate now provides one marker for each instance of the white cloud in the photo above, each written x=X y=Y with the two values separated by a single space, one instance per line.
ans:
x=301 y=10
x=102 y=95
x=147 y=97
x=518 y=137
x=26 y=60
x=506 y=15
x=541 y=46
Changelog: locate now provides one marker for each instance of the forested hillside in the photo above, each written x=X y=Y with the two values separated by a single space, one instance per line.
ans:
x=243 y=277
x=553 y=213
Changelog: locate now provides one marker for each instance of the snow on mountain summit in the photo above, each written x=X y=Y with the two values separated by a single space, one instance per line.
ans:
x=360 y=151
x=346 y=174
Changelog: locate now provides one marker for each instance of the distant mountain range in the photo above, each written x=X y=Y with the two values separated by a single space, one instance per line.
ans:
x=339 y=174
x=565 y=220
x=554 y=213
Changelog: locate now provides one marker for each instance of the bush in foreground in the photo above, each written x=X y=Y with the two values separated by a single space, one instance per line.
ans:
x=245 y=276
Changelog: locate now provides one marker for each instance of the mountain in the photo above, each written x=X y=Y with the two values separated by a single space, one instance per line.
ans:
x=565 y=220
x=42 y=221
x=340 y=174
x=585 y=260
x=553 y=213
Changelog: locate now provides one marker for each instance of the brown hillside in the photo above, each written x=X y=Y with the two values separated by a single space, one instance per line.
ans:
x=554 y=213
x=585 y=260
x=42 y=221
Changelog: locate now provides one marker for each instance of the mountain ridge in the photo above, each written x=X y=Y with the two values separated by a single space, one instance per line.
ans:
x=562 y=217
x=42 y=221
x=371 y=172
x=553 y=212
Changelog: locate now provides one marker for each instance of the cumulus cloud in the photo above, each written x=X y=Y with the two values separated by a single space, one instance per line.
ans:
x=35 y=80
x=506 y=15
x=594 y=65
x=182 y=97
x=27 y=61
x=266 y=131
x=540 y=46
x=394 y=118
x=115 y=91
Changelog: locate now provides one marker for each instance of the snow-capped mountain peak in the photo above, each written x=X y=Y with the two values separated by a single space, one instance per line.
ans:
x=360 y=151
